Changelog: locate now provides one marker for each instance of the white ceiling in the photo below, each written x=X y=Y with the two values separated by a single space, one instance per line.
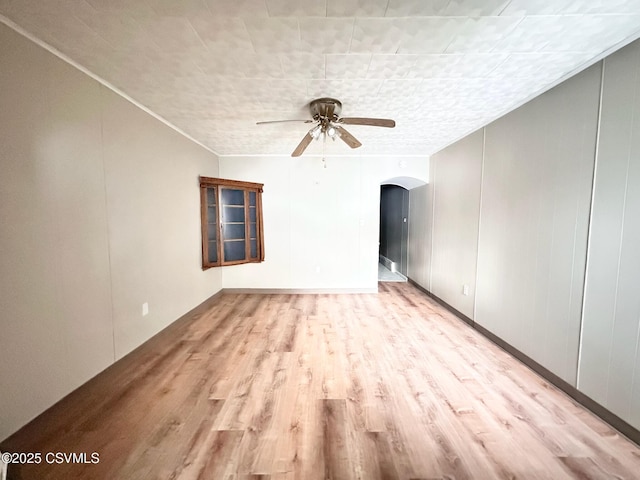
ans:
x=440 y=68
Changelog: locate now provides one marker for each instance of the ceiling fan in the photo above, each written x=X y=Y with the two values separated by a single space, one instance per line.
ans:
x=325 y=113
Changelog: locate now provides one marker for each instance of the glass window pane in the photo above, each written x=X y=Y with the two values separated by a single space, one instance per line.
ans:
x=213 y=252
x=211 y=196
x=212 y=232
x=231 y=231
x=233 y=214
x=235 y=224
x=232 y=197
x=234 y=251
x=211 y=215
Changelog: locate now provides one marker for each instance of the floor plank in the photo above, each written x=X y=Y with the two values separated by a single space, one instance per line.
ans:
x=304 y=387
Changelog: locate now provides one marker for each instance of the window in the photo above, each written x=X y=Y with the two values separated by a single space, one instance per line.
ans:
x=231 y=213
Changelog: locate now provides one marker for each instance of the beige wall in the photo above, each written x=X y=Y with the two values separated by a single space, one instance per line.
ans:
x=321 y=225
x=456 y=174
x=420 y=235
x=536 y=194
x=99 y=207
x=609 y=370
x=558 y=256
x=509 y=213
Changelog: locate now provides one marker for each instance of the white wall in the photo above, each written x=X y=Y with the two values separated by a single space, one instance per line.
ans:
x=99 y=207
x=321 y=225
x=609 y=369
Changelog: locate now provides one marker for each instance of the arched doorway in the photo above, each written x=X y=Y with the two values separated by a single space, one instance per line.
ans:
x=394 y=228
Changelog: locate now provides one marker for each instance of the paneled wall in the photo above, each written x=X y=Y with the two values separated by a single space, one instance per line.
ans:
x=536 y=193
x=455 y=177
x=419 y=244
x=558 y=258
x=610 y=361
x=99 y=213
x=511 y=212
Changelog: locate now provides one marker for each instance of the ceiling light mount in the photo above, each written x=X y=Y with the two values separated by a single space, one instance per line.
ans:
x=325 y=108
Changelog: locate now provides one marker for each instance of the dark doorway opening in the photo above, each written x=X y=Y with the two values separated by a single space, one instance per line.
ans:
x=394 y=228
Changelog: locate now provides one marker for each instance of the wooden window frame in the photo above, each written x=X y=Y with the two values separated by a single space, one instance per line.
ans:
x=246 y=187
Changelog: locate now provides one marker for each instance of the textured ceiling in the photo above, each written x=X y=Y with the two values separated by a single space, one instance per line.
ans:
x=440 y=68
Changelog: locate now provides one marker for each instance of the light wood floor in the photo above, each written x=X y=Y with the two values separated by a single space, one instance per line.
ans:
x=324 y=387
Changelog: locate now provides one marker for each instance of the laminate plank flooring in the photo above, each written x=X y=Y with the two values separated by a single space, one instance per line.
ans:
x=369 y=386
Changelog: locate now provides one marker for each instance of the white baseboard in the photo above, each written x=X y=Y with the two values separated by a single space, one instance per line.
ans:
x=390 y=264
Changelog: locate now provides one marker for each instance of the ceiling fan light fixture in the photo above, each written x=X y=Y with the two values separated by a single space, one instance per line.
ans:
x=315 y=132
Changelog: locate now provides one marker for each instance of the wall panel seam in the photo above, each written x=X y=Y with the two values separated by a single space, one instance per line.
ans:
x=589 y=225
x=106 y=212
x=475 y=289
x=433 y=220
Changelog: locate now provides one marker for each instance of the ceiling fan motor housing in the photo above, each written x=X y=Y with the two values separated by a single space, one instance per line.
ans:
x=325 y=107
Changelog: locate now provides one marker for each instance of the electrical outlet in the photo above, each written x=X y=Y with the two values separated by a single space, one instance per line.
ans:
x=465 y=289
x=145 y=309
